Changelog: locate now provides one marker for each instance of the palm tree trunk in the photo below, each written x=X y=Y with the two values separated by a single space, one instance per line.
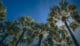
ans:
x=40 y=39
x=24 y=29
x=75 y=41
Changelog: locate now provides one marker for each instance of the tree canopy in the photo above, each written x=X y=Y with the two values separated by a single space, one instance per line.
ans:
x=25 y=30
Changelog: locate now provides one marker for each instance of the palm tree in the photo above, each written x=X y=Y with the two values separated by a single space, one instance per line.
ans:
x=27 y=23
x=26 y=29
x=63 y=12
x=3 y=12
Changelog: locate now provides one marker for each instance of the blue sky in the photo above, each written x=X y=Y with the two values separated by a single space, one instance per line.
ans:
x=37 y=9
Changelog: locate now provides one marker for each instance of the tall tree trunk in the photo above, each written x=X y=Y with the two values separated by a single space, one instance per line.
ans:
x=24 y=29
x=40 y=39
x=75 y=41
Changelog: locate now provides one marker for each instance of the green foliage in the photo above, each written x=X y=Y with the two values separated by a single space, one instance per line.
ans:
x=2 y=11
x=73 y=26
x=34 y=29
